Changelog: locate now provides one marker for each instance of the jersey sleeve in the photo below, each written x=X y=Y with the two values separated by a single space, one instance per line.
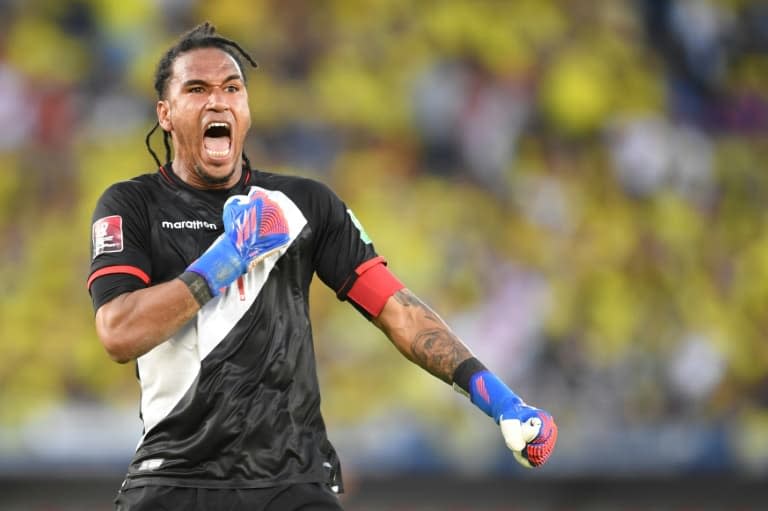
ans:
x=342 y=244
x=120 y=243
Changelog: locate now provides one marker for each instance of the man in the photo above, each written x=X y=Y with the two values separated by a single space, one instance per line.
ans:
x=201 y=274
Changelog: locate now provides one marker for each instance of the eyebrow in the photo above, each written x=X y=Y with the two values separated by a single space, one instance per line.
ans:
x=190 y=83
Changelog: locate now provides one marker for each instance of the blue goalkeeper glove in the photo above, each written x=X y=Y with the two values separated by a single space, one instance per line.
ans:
x=254 y=227
x=529 y=432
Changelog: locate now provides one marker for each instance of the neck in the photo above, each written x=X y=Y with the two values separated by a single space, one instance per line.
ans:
x=197 y=177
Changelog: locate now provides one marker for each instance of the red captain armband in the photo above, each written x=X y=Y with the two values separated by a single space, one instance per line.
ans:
x=371 y=286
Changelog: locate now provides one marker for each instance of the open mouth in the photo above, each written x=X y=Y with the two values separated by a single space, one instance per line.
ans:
x=217 y=140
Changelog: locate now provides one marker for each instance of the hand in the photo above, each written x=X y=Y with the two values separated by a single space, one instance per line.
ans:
x=255 y=224
x=529 y=432
x=254 y=227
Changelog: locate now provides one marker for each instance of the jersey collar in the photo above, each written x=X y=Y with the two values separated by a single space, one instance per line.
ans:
x=170 y=177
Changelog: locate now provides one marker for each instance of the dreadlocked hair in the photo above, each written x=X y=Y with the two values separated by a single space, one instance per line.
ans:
x=202 y=36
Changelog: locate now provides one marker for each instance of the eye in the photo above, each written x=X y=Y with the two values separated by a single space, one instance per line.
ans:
x=231 y=88
x=196 y=89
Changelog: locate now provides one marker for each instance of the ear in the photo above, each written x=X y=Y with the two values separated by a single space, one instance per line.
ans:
x=164 y=115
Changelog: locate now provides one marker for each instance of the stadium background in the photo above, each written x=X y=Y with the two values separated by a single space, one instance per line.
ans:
x=578 y=187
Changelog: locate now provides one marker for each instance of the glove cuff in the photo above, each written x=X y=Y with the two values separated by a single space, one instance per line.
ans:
x=491 y=395
x=220 y=265
x=464 y=372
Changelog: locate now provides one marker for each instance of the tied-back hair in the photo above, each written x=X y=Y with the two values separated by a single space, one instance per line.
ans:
x=202 y=36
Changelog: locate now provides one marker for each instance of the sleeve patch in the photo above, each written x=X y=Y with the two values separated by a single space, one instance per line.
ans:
x=363 y=235
x=107 y=235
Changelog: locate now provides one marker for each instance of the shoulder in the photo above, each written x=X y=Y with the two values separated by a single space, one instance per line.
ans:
x=291 y=184
x=128 y=198
x=133 y=185
x=136 y=186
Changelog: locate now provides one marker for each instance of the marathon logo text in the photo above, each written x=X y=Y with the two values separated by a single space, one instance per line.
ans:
x=188 y=224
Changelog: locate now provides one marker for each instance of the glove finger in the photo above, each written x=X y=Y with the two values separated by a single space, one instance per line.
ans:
x=272 y=231
x=256 y=224
x=255 y=191
x=512 y=431
x=235 y=211
x=538 y=450
x=236 y=200
x=244 y=226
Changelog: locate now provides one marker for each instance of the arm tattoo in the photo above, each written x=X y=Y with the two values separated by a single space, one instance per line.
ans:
x=435 y=348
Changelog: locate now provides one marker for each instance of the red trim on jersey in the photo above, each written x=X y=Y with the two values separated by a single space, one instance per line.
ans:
x=111 y=270
x=165 y=175
x=373 y=286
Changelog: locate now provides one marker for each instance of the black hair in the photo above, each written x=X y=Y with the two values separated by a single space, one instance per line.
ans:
x=202 y=36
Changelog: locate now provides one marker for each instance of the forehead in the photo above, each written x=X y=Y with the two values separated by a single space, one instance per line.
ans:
x=208 y=64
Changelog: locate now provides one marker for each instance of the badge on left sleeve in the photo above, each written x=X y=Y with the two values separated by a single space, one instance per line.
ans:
x=107 y=235
x=363 y=235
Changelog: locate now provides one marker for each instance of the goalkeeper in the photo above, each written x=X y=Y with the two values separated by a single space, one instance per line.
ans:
x=201 y=273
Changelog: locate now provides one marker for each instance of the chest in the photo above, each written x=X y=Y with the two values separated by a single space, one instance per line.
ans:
x=183 y=228
x=180 y=232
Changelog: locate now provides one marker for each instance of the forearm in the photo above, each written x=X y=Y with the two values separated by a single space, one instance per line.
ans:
x=421 y=335
x=134 y=323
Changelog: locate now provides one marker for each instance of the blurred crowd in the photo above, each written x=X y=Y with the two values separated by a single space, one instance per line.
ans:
x=578 y=187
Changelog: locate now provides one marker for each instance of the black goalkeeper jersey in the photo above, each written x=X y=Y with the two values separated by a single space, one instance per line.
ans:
x=232 y=399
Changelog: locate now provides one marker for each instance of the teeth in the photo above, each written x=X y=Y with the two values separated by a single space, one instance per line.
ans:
x=213 y=153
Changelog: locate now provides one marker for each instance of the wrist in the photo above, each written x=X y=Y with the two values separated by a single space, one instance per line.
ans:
x=484 y=389
x=462 y=375
x=198 y=286
x=220 y=265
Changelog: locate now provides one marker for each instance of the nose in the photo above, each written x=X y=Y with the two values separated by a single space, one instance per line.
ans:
x=216 y=100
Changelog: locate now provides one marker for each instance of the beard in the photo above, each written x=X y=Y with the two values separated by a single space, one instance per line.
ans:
x=213 y=180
